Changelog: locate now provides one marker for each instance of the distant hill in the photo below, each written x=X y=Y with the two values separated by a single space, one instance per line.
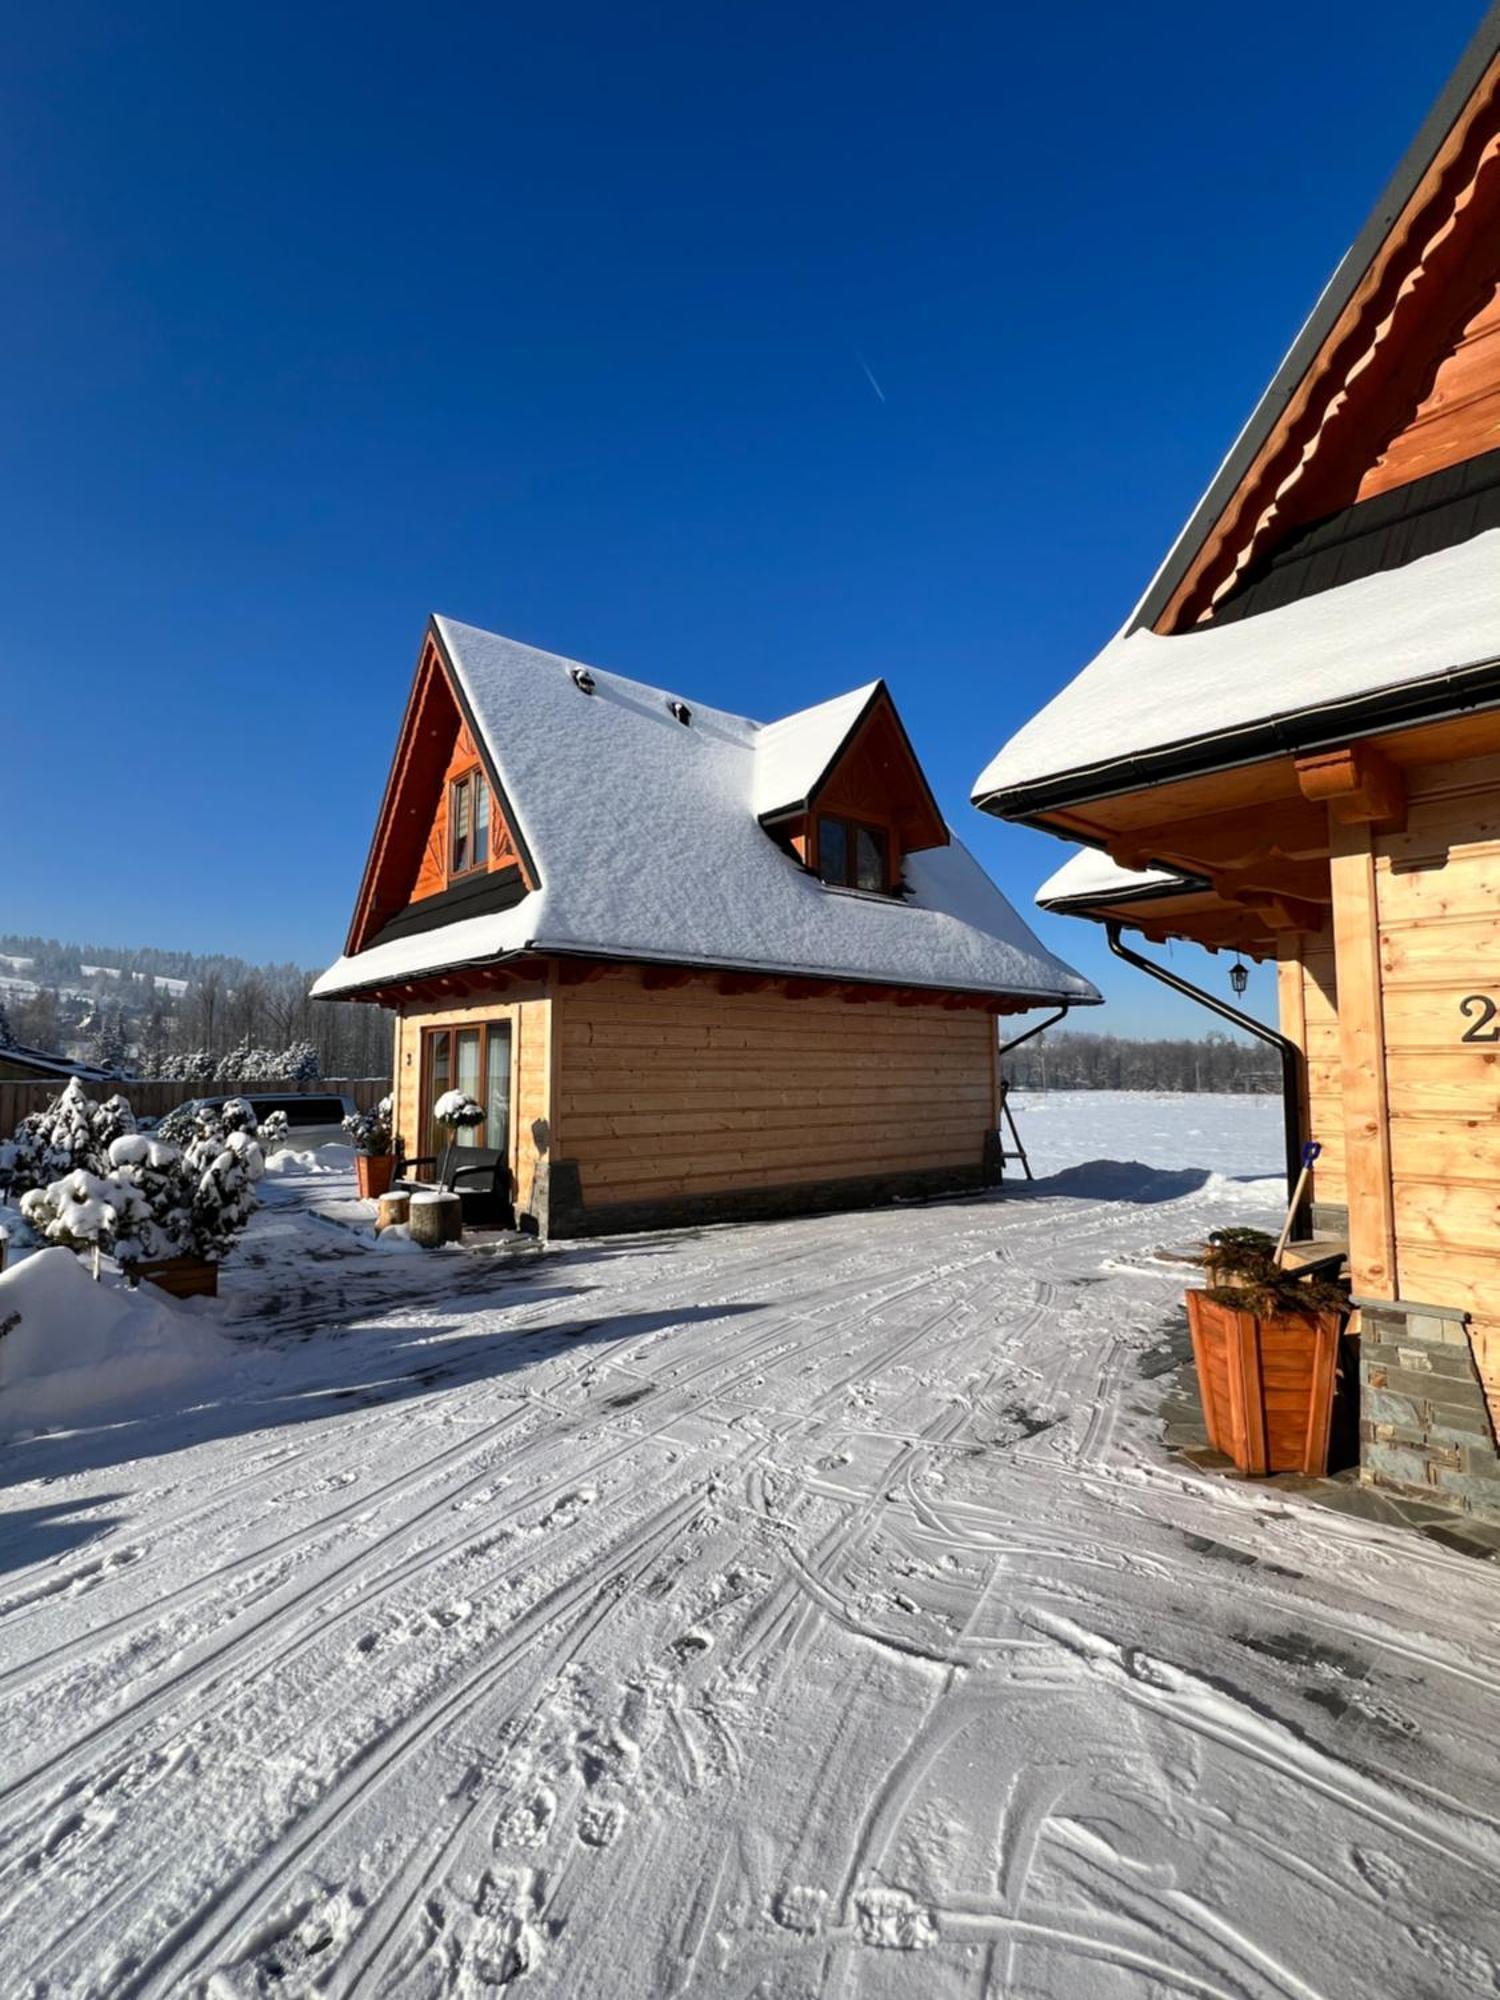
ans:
x=130 y=1007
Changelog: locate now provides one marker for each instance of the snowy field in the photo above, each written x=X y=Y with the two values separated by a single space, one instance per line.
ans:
x=768 y=1612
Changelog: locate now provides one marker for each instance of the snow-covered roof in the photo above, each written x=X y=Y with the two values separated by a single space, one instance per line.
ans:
x=792 y=755
x=1220 y=684
x=48 y=1063
x=646 y=841
x=1091 y=877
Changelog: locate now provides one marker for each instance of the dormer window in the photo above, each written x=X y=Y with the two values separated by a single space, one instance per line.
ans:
x=469 y=819
x=853 y=855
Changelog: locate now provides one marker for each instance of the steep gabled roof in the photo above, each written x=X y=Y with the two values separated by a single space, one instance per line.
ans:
x=1358 y=298
x=647 y=846
x=793 y=756
x=1317 y=589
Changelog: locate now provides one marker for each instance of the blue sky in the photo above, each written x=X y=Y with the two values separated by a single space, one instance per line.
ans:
x=563 y=321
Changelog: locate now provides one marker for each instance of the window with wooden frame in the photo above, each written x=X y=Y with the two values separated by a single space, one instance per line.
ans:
x=853 y=855
x=468 y=824
x=475 y=1060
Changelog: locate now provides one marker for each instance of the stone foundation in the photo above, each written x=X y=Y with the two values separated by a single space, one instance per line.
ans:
x=1425 y=1426
x=559 y=1209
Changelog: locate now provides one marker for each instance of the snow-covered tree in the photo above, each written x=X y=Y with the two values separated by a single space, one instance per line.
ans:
x=50 y=1143
x=109 y=1044
x=300 y=1063
x=84 y=1211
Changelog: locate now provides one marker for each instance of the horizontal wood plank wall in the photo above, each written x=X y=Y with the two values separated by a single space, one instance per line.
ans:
x=689 y=1091
x=154 y=1098
x=529 y=1045
x=1439 y=898
x=1308 y=992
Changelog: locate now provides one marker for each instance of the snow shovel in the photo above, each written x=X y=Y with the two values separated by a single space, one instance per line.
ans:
x=1309 y=1153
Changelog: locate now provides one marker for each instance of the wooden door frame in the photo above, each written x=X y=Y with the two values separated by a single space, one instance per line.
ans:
x=506 y=1020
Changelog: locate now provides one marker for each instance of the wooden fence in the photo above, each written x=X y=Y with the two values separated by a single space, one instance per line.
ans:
x=154 y=1099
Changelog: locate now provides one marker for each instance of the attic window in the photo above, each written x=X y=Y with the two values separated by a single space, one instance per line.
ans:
x=852 y=855
x=469 y=821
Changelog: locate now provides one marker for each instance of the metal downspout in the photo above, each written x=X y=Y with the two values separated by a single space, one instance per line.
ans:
x=1291 y=1055
x=1050 y=1022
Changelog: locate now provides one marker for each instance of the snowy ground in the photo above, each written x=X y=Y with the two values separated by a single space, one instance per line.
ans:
x=783 y=1611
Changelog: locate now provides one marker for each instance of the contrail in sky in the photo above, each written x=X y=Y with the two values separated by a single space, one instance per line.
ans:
x=869 y=374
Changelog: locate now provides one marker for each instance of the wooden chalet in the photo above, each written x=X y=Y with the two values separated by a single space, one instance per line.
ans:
x=691 y=966
x=1292 y=750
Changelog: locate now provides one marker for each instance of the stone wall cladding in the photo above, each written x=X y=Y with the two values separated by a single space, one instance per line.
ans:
x=1425 y=1425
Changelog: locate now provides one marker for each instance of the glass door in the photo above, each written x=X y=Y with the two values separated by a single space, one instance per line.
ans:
x=476 y=1061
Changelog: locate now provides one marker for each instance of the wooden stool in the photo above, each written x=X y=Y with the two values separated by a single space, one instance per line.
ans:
x=390 y=1210
x=435 y=1219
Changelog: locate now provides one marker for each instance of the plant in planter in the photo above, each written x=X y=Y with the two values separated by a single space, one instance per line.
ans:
x=1265 y=1344
x=456 y=1112
x=84 y=1212
x=375 y=1150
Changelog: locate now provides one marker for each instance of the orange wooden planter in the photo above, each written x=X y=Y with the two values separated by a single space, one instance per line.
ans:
x=183 y=1277
x=373 y=1173
x=1267 y=1384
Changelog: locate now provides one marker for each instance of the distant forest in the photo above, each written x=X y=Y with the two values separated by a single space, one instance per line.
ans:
x=139 y=1011
x=116 y=1014
x=1115 y=1062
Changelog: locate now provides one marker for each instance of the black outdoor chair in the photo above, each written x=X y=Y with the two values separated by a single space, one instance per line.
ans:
x=478 y=1175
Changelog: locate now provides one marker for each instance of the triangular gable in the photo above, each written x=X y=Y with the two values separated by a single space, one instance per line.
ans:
x=1369 y=396
x=438 y=741
x=850 y=756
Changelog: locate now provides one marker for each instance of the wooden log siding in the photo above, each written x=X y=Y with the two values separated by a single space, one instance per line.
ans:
x=695 y=1091
x=530 y=1030
x=1308 y=989
x=154 y=1098
x=1438 y=895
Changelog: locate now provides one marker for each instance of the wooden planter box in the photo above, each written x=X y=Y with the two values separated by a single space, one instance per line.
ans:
x=1267 y=1384
x=373 y=1173
x=183 y=1277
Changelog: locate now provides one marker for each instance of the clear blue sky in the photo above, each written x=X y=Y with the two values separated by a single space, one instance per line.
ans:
x=559 y=320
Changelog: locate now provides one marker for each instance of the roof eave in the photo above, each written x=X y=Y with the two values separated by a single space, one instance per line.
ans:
x=1455 y=691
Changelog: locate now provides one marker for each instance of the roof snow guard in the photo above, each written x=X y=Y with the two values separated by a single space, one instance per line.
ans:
x=648 y=847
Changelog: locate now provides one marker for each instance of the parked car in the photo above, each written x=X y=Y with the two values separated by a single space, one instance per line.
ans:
x=314 y=1117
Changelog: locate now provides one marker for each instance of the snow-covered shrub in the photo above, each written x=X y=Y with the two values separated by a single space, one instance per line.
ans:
x=161 y=1222
x=84 y=1211
x=275 y=1131
x=372 y=1131
x=300 y=1064
x=223 y=1194
x=48 y=1144
x=112 y=1120
x=458 y=1111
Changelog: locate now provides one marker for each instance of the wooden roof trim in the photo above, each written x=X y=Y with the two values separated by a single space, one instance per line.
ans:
x=880 y=702
x=395 y=778
x=433 y=661
x=1429 y=183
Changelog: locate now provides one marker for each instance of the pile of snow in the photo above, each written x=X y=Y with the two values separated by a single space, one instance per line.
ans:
x=334 y=1158
x=72 y=1350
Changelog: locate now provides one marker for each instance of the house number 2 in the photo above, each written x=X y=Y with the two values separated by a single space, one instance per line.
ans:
x=1479 y=1010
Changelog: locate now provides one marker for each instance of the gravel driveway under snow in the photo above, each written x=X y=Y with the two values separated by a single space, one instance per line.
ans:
x=785 y=1611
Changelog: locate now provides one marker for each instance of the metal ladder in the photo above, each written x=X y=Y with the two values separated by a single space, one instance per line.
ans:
x=1008 y=1119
